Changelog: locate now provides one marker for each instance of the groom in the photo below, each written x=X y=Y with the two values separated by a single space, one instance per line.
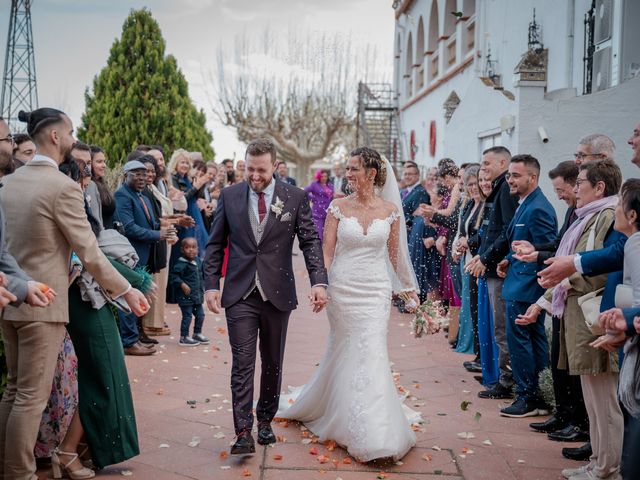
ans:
x=259 y=219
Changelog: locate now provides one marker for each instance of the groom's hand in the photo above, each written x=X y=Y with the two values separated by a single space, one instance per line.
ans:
x=212 y=298
x=318 y=298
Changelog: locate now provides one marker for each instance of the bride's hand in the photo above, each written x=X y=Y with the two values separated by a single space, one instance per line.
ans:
x=414 y=302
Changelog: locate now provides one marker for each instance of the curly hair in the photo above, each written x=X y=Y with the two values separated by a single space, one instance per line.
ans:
x=371 y=159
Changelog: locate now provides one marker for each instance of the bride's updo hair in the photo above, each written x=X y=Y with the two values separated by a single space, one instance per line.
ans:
x=370 y=158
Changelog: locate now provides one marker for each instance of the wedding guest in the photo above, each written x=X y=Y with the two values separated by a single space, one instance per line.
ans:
x=283 y=174
x=623 y=322
x=594 y=147
x=339 y=181
x=241 y=167
x=102 y=430
x=98 y=172
x=187 y=279
x=55 y=211
x=179 y=168
x=413 y=194
x=493 y=248
x=430 y=181
x=535 y=221
x=24 y=149
x=489 y=350
x=82 y=151
x=596 y=197
x=446 y=217
x=570 y=421
x=469 y=223
x=142 y=227
x=7 y=166
x=320 y=194
x=425 y=259
x=153 y=322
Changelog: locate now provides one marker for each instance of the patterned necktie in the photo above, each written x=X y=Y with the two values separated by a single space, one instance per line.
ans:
x=262 y=207
x=144 y=205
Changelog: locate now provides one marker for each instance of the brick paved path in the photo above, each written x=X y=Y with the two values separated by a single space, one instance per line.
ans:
x=183 y=407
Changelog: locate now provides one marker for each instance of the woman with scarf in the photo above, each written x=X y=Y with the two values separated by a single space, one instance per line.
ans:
x=623 y=327
x=320 y=195
x=596 y=198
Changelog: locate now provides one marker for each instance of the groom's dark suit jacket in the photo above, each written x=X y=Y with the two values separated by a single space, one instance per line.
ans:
x=272 y=256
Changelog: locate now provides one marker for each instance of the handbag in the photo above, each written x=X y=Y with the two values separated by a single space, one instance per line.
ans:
x=590 y=302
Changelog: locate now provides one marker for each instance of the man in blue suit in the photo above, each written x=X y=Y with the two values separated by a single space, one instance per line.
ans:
x=534 y=221
x=413 y=194
x=142 y=228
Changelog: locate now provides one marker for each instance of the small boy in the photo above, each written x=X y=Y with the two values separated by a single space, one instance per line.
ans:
x=187 y=278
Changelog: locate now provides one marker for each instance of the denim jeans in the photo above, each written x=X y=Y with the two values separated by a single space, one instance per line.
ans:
x=128 y=328
x=528 y=350
x=187 y=312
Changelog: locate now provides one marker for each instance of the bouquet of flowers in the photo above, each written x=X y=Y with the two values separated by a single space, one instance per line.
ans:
x=428 y=319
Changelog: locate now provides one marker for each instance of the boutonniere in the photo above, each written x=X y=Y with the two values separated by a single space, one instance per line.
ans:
x=277 y=206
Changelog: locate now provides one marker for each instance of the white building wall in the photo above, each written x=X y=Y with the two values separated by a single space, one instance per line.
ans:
x=560 y=107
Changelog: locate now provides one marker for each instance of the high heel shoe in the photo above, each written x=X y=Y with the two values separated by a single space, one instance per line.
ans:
x=59 y=468
x=85 y=456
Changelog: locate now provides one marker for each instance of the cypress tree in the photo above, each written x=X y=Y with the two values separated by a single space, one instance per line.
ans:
x=142 y=97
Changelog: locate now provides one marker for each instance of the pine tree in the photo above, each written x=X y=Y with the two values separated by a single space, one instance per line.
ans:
x=142 y=97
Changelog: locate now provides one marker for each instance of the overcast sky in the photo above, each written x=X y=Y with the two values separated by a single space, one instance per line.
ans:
x=72 y=40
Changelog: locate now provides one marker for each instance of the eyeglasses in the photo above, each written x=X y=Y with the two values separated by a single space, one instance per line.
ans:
x=8 y=138
x=581 y=155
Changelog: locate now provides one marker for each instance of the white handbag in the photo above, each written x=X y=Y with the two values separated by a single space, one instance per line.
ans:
x=590 y=302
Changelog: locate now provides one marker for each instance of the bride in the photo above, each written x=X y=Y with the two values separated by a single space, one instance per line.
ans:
x=351 y=398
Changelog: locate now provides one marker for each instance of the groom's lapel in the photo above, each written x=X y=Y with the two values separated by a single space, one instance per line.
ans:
x=279 y=192
x=244 y=213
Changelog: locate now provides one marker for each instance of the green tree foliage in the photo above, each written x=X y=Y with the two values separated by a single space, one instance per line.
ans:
x=141 y=96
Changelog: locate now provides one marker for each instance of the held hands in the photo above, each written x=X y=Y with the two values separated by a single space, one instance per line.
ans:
x=524 y=251
x=530 y=316
x=613 y=319
x=167 y=233
x=318 y=298
x=502 y=268
x=427 y=211
x=212 y=297
x=137 y=302
x=559 y=268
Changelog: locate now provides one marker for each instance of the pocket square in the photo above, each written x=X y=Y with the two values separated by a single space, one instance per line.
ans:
x=286 y=217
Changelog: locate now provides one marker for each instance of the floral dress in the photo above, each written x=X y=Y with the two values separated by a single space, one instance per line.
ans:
x=63 y=401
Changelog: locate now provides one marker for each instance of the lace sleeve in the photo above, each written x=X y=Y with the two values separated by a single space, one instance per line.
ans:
x=335 y=211
x=393 y=217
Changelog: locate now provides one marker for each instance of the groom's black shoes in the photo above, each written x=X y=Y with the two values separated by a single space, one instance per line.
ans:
x=244 y=444
x=265 y=434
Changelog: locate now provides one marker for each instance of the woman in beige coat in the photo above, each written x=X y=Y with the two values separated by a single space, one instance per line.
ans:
x=596 y=193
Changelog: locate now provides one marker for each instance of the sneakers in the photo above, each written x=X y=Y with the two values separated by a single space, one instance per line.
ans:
x=188 y=342
x=498 y=391
x=198 y=337
x=521 y=408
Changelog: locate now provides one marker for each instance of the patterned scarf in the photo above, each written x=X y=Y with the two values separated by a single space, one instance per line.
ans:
x=570 y=241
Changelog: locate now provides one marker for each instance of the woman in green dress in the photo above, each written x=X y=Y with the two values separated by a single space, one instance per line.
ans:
x=103 y=430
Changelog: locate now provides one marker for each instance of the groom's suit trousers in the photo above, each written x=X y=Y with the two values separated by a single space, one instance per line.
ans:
x=248 y=320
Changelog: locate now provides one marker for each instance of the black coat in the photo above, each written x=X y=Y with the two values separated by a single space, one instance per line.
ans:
x=184 y=271
x=495 y=244
x=271 y=258
x=471 y=233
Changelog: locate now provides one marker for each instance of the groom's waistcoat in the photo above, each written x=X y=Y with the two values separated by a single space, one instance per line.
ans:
x=260 y=254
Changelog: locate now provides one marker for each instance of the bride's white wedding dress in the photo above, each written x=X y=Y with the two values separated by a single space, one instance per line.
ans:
x=352 y=398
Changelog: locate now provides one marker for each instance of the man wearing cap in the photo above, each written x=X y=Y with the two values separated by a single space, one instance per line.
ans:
x=142 y=228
